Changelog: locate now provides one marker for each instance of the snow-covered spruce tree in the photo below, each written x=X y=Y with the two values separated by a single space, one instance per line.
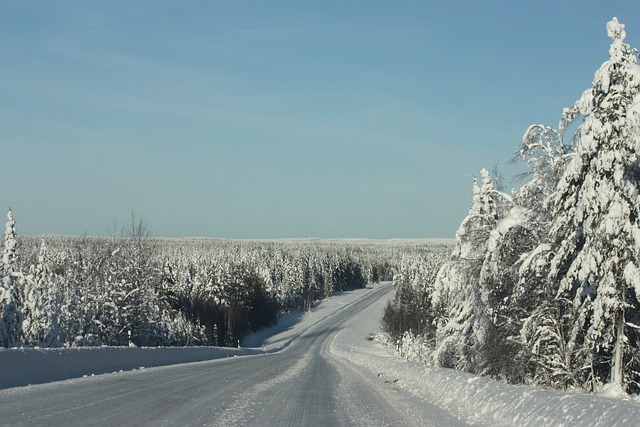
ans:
x=10 y=315
x=10 y=246
x=498 y=347
x=533 y=310
x=41 y=303
x=508 y=297
x=457 y=294
x=597 y=227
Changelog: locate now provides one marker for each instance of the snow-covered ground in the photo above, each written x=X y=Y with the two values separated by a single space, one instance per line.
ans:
x=474 y=399
x=21 y=367
x=25 y=366
x=471 y=399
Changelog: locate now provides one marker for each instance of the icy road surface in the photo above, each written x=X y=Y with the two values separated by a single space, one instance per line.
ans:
x=307 y=383
x=315 y=369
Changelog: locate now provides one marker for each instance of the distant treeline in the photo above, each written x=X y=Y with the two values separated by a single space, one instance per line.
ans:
x=134 y=289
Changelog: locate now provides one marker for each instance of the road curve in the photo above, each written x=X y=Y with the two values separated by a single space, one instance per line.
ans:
x=302 y=385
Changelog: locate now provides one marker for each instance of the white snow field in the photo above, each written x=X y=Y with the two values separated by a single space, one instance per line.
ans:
x=320 y=368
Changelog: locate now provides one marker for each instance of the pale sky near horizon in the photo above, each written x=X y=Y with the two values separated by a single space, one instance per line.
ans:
x=275 y=119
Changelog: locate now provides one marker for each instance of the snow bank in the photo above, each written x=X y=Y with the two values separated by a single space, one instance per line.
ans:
x=25 y=366
x=21 y=367
x=474 y=399
x=478 y=400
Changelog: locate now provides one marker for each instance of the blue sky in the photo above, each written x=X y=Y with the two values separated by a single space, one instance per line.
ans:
x=267 y=119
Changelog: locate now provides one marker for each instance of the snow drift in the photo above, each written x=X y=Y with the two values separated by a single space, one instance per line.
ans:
x=25 y=366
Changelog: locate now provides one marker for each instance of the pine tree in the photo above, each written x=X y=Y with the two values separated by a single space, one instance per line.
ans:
x=10 y=315
x=9 y=249
x=458 y=293
x=33 y=303
x=528 y=307
x=596 y=229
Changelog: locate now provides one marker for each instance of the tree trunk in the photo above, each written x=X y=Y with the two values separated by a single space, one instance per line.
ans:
x=616 y=363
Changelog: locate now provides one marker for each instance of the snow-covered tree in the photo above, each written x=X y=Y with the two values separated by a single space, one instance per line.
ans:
x=513 y=288
x=596 y=223
x=458 y=292
x=9 y=248
x=41 y=303
x=10 y=315
x=411 y=312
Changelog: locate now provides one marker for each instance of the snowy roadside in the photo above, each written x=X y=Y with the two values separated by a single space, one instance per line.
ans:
x=473 y=399
x=470 y=398
x=26 y=366
x=295 y=323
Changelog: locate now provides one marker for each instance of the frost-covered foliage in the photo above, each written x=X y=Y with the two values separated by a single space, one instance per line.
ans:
x=41 y=303
x=137 y=290
x=10 y=315
x=411 y=312
x=543 y=287
x=458 y=291
x=233 y=287
x=596 y=230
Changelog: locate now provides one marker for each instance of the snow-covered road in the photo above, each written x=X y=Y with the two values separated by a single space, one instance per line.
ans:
x=304 y=384
x=320 y=368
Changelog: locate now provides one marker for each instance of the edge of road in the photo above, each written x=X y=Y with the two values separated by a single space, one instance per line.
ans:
x=28 y=366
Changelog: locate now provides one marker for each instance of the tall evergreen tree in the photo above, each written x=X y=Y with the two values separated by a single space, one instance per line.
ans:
x=41 y=303
x=10 y=315
x=596 y=228
x=533 y=312
x=458 y=293
x=10 y=246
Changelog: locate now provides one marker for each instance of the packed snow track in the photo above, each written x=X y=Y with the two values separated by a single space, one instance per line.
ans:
x=304 y=384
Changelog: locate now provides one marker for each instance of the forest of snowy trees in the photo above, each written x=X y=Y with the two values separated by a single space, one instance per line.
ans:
x=543 y=284
x=132 y=289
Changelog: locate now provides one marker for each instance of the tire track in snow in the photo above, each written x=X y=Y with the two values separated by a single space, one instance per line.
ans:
x=236 y=413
